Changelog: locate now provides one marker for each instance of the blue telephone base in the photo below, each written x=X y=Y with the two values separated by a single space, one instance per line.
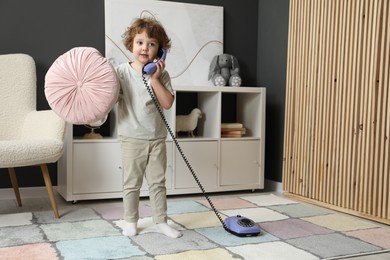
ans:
x=241 y=226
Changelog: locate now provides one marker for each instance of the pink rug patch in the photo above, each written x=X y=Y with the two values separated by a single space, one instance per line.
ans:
x=228 y=203
x=110 y=212
x=293 y=228
x=144 y=210
x=32 y=251
x=376 y=236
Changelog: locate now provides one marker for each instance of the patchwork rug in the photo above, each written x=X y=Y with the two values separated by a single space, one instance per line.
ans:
x=289 y=230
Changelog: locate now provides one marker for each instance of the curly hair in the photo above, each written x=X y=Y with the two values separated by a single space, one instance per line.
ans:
x=153 y=28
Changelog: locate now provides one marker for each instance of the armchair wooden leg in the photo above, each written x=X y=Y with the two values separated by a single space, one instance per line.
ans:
x=49 y=187
x=15 y=186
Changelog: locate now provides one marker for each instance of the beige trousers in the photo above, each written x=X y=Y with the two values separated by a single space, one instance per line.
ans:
x=144 y=158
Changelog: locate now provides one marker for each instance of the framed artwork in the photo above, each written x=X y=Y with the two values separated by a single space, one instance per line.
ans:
x=196 y=32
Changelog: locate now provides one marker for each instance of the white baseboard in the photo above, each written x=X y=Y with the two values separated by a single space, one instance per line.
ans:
x=38 y=192
x=273 y=186
x=28 y=192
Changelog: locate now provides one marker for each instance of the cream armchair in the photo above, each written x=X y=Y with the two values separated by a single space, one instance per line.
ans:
x=27 y=136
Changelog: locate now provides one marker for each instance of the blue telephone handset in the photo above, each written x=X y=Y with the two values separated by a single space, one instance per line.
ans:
x=151 y=67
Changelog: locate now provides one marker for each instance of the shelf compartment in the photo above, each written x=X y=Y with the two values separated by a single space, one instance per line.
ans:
x=208 y=102
x=244 y=108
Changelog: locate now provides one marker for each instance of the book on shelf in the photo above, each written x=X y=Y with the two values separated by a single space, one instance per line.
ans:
x=229 y=130
x=232 y=125
x=232 y=130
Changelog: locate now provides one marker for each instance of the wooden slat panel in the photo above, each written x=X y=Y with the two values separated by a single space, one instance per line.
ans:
x=380 y=140
x=337 y=119
x=386 y=83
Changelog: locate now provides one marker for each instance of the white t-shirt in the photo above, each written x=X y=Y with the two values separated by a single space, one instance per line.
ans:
x=137 y=115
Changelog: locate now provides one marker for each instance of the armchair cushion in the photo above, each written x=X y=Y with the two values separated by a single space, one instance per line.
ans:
x=41 y=141
x=18 y=153
x=44 y=123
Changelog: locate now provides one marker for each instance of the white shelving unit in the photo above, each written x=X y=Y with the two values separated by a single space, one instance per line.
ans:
x=92 y=168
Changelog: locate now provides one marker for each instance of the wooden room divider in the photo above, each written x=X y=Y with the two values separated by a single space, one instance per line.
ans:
x=337 y=113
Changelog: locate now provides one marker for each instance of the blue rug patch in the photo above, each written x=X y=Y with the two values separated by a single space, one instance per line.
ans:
x=178 y=207
x=115 y=247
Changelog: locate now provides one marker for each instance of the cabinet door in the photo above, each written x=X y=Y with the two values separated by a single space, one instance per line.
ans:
x=240 y=162
x=203 y=157
x=97 y=168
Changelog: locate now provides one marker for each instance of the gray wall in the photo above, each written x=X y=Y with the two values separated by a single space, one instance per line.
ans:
x=46 y=29
x=271 y=73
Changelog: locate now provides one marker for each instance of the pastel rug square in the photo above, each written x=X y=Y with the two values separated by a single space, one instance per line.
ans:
x=20 y=235
x=256 y=214
x=112 y=247
x=216 y=253
x=159 y=244
x=220 y=236
x=300 y=210
x=268 y=200
x=332 y=245
x=376 y=236
x=293 y=228
x=177 y=207
x=110 y=213
x=79 y=230
x=196 y=219
x=32 y=251
x=228 y=203
x=340 y=222
x=144 y=210
x=68 y=215
x=271 y=251
x=17 y=219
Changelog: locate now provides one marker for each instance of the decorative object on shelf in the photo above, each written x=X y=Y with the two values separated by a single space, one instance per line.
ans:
x=188 y=123
x=232 y=130
x=81 y=86
x=93 y=126
x=225 y=71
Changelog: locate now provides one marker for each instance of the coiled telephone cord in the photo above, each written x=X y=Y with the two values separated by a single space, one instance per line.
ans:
x=160 y=111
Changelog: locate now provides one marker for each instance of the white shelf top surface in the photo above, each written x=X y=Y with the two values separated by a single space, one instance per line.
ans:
x=219 y=89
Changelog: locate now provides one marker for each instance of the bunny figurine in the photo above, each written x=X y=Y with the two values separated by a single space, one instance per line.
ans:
x=225 y=71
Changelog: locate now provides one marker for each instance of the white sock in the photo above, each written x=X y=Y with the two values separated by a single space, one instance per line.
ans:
x=130 y=229
x=165 y=229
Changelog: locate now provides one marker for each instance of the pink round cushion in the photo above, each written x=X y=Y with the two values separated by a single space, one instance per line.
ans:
x=81 y=86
